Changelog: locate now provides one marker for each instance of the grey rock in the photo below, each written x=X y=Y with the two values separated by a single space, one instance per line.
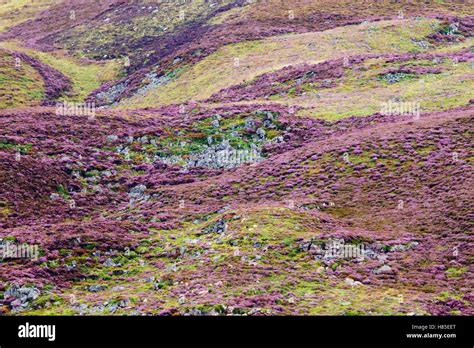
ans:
x=249 y=123
x=123 y=303
x=403 y=247
x=22 y=296
x=352 y=282
x=110 y=263
x=261 y=133
x=216 y=227
x=383 y=270
x=112 y=307
x=54 y=196
x=110 y=95
x=112 y=138
x=137 y=193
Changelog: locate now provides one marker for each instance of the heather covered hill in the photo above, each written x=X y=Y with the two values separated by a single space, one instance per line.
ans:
x=132 y=221
x=14 y=12
x=237 y=157
x=156 y=42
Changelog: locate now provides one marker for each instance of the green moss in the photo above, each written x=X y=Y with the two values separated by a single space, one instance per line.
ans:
x=62 y=191
x=90 y=246
x=425 y=150
x=21 y=148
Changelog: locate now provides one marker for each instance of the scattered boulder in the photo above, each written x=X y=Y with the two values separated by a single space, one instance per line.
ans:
x=20 y=297
x=352 y=282
x=383 y=270
x=96 y=288
x=110 y=263
x=218 y=227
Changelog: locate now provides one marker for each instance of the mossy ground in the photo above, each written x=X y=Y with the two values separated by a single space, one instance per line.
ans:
x=241 y=62
x=258 y=248
x=86 y=76
x=359 y=94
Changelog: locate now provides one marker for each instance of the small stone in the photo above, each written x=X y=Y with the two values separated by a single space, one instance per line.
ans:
x=54 y=196
x=124 y=303
x=113 y=308
x=112 y=138
x=15 y=304
x=110 y=263
x=352 y=282
x=97 y=288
